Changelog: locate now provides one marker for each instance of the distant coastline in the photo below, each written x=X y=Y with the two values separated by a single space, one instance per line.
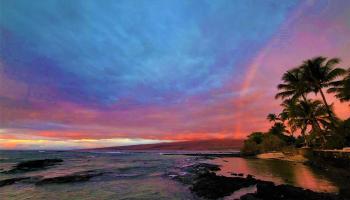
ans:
x=225 y=145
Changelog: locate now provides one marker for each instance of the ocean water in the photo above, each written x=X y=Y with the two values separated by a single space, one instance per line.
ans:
x=131 y=175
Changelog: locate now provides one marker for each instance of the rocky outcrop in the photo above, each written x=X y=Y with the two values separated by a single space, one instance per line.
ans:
x=187 y=174
x=211 y=186
x=206 y=184
x=268 y=190
x=11 y=181
x=201 y=168
x=72 y=178
x=33 y=165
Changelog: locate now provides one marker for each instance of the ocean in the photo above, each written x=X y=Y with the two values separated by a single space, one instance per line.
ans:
x=140 y=175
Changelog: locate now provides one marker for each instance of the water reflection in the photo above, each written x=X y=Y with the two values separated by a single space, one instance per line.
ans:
x=280 y=172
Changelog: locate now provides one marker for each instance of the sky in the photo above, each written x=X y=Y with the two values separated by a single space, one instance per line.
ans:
x=83 y=74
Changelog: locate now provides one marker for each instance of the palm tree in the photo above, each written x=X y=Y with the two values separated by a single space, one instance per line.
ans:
x=306 y=113
x=320 y=73
x=283 y=116
x=272 y=117
x=279 y=123
x=293 y=85
x=278 y=129
x=341 y=88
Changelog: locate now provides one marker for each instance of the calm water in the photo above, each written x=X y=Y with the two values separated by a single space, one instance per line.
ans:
x=142 y=175
x=282 y=172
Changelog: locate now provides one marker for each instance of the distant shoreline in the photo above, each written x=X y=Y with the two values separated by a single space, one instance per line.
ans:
x=218 y=145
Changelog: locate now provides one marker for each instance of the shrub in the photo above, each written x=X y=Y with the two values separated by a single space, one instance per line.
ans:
x=340 y=136
x=272 y=143
x=250 y=148
x=258 y=142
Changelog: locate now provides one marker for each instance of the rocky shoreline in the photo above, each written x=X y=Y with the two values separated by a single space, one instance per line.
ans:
x=34 y=165
x=203 y=181
x=200 y=177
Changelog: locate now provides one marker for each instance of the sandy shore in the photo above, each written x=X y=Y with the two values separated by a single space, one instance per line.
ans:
x=282 y=156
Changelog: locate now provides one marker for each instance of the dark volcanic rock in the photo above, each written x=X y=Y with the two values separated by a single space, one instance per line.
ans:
x=249 y=176
x=11 y=181
x=76 y=177
x=205 y=183
x=202 y=168
x=190 y=173
x=211 y=186
x=249 y=197
x=345 y=192
x=33 y=165
x=268 y=190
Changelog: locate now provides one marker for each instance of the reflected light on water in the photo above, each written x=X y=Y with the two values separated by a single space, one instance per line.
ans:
x=280 y=172
x=305 y=178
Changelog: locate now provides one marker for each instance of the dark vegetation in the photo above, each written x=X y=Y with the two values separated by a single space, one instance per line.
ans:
x=313 y=119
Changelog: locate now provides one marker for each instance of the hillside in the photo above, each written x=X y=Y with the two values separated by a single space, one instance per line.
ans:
x=199 y=145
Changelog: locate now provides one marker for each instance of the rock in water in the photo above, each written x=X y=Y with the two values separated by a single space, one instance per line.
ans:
x=211 y=186
x=72 y=178
x=202 y=168
x=249 y=197
x=268 y=190
x=33 y=165
x=11 y=181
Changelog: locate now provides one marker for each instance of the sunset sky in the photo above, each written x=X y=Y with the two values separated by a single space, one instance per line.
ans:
x=82 y=73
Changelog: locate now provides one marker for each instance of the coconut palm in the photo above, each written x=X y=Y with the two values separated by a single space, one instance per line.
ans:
x=303 y=114
x=283 y=116
x=272 y=117
x=320 y=73
x=293 y=85
x=341 y=88
x=278 y=129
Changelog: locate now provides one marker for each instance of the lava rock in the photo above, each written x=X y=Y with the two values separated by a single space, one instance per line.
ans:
x=11 y=181
x=72 y=178
x=268 y=190
x=249 y=176
x=33 y=165
x=202 y=167
x=189 y=173
x=249 y=197
x=211 y=186
x=206 y=184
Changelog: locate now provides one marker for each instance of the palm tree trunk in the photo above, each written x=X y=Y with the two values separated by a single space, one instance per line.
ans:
x=304 y=136
x=304 y=97
x=313 y=117
x=315 y=124
x=319 y=131
x=327 y=106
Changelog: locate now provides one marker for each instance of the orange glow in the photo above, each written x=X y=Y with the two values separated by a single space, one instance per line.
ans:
x=8 y=145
